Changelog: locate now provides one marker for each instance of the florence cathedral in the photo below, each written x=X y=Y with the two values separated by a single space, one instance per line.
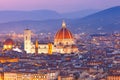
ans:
x=63 y=43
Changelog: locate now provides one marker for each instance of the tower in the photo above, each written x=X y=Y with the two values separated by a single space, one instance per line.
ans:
x=50 y=48
x=27 y=40
x=36 y=47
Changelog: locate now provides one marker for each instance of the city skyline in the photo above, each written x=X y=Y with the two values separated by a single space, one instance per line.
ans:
x=59 y=39
x=57 y=5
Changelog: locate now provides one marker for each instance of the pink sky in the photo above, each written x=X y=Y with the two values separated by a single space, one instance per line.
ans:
x=58 y=5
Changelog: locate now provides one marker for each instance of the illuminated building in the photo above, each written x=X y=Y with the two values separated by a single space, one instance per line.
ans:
x=1 y=76
x=28 y=76
x=50 y=48
x=7 y=59
x=8 y=44
x=64 y=40
x=51 y=74
x=39 y=76
x=65 y=78
x=10 y=76
x=63 y=43
x=64 y=36
x=113 y=77
x=27 y=40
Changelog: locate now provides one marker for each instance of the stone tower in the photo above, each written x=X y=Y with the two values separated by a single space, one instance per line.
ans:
x=27 y=40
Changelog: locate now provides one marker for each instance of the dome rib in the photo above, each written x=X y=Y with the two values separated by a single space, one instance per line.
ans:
x=63 y=33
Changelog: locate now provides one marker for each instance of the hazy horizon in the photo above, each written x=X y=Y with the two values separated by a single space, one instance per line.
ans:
x=57 y=5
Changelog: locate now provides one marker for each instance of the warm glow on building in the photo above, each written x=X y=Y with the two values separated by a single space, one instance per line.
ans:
x=8 y=44
x=6 y=59
x=113 y=77
x=63 y=43
x=50 y=48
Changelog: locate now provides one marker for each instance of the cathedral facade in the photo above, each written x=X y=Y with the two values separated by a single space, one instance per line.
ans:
x=63 y=43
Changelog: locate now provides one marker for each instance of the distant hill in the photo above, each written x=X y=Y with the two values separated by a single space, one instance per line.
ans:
x=8 y=16
x=79 y=14
x=107 y=20
x=104 y=21
x=37 y=26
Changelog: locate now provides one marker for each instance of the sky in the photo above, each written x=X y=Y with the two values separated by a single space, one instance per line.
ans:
x=57 y=5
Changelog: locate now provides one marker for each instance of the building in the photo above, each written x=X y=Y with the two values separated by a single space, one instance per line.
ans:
x=7 y=59
x=63 y=43
x=1 y=76
x=113 y=77
x=8 y=44
x=28 y=76
x=10 y=76
x=65 y=78
x=40 y=76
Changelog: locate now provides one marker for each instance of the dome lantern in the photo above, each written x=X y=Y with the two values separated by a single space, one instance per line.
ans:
x=63 y=24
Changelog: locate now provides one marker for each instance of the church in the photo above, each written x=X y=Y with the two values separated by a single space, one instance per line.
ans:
x=63 y=43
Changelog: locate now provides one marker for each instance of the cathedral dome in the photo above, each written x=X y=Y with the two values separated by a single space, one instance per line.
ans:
x=63 y=36
x=8 y=42
x=63 y=33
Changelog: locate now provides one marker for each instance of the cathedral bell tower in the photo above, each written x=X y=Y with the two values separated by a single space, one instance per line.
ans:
x=27 y=40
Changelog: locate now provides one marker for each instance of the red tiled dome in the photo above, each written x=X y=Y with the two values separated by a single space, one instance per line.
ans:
x=8 y=42
x=63 y=33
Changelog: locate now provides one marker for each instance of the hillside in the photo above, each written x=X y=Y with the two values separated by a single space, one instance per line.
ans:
x=8 y=16
x=40 y=15
x=107 y=20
